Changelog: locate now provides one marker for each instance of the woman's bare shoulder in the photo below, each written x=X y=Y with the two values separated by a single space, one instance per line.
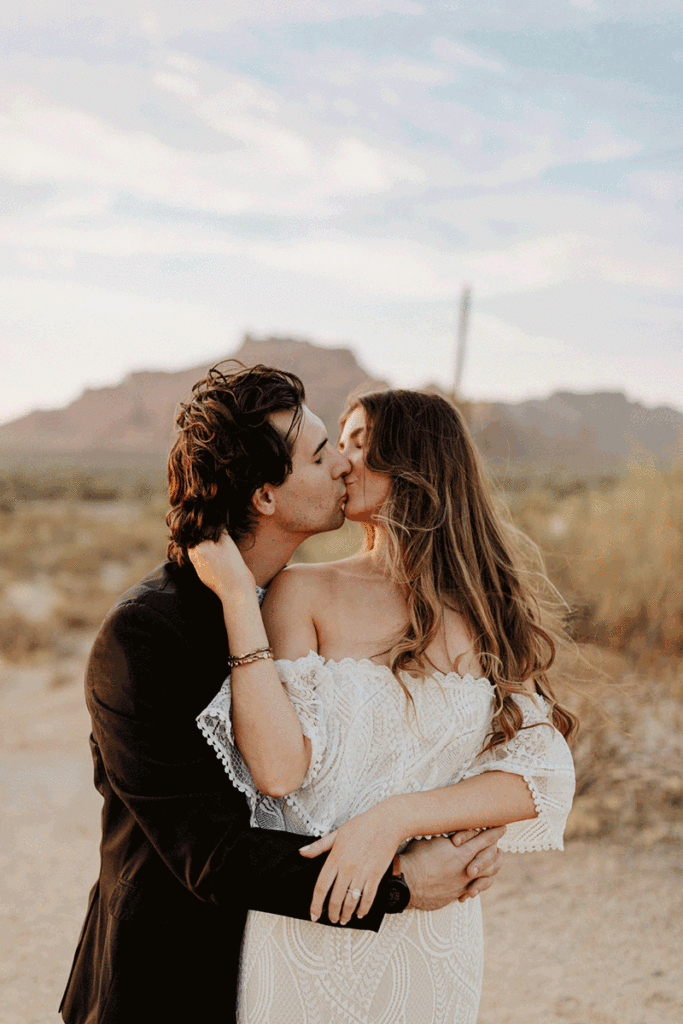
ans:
x=304 y=582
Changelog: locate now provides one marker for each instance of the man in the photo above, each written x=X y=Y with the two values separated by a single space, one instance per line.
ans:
x=180 y=866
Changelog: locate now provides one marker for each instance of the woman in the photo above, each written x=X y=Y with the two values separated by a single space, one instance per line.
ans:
x=415 y=702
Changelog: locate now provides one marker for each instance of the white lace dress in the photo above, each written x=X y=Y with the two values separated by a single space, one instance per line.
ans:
x=420 y=968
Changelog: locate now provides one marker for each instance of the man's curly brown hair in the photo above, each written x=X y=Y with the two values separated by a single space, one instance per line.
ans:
x=226 y=449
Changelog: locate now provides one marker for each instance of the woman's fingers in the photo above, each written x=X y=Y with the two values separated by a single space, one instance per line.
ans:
x=319 y=846
x=367 y=899
x=325 y=880
x=342 y=883
x=351 y=900
x=218 y=561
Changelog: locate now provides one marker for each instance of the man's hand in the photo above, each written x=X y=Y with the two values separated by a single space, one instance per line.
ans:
x=439 y=871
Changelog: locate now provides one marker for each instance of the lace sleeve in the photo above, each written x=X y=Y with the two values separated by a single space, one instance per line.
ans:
x=300 y=679
x=215 y=724
x=541 y=756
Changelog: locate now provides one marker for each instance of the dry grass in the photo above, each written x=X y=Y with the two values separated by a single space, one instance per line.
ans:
x=62 y=563
x=614 y=547
x=616 y=554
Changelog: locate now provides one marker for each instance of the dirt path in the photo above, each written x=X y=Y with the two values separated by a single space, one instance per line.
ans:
x=591 y=936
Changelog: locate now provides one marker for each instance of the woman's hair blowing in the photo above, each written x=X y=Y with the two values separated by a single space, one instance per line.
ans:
x=448 y=546
x=226 y=448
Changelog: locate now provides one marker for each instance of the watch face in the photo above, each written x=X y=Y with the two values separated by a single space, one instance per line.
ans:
x=398 y=896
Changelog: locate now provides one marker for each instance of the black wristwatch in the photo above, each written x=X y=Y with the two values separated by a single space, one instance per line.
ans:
x=398 y=893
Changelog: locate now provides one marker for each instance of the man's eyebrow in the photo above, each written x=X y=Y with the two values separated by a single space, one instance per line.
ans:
x=320 y=447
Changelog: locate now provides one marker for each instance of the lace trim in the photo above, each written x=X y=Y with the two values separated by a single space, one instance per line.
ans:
x=522 y=845
x=442 y=676
x=216 y=728
x=215 y=724
x=221 y=749
x=306 y=820
x=540 y=756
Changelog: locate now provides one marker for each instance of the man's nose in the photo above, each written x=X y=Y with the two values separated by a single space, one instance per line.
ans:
x=342 y=465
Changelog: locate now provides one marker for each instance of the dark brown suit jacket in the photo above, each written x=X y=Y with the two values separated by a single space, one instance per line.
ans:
x=180 y=866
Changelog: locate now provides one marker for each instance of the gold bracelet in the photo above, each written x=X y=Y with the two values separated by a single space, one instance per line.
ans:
x=246 y=659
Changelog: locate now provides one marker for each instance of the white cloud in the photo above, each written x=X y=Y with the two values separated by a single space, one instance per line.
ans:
x=403 y=70
x=126 y=239
x=657 y=185
x=662 y=272
x=44 y=142
x=587 y=239
x=92 y=205
x=279 y=158
x=64 y=313
x=458 y=53
x=391 y=269
x=158 y=19
x=181 y=85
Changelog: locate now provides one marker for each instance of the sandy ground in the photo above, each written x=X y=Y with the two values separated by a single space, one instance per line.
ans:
x=591 y=936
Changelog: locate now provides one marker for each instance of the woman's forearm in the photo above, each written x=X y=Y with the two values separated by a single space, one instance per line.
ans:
x=492 y=798
x=267 y=730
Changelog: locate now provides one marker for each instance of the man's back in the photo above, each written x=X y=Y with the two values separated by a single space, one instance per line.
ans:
x=179 y=863
x=145 y=930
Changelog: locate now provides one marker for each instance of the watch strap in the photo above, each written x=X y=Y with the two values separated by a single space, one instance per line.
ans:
x=398 y=893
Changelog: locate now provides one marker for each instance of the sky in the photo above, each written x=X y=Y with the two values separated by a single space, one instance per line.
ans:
x=174 y=175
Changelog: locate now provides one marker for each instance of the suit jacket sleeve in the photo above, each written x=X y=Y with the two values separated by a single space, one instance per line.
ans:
x=143 y=704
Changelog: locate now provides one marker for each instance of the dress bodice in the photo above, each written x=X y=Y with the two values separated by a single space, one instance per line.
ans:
x=369 y=742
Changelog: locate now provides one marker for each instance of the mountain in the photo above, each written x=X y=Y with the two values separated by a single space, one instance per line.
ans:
x=137 y=414
x=578 y=431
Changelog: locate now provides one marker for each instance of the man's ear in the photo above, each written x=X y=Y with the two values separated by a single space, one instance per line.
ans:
x=264 y=500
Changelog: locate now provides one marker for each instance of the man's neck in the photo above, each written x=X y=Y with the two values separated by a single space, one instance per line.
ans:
x=267 y=551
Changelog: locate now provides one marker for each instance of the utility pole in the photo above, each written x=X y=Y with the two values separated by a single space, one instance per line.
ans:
x=463 y=324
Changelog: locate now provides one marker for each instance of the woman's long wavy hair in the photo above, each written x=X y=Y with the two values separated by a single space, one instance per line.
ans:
x=449 y=547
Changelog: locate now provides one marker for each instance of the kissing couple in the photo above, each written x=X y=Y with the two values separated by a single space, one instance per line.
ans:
x=306 y=770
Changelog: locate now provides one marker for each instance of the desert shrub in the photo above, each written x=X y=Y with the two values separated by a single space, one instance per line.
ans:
x=63 y=563
x=616 y=555
x=629 y=752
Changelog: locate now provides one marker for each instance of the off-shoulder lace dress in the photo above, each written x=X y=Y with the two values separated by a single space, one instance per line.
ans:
x=421 y=967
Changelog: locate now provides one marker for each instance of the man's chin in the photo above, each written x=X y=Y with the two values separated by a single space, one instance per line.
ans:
x=335 y=522
x=339 y=520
